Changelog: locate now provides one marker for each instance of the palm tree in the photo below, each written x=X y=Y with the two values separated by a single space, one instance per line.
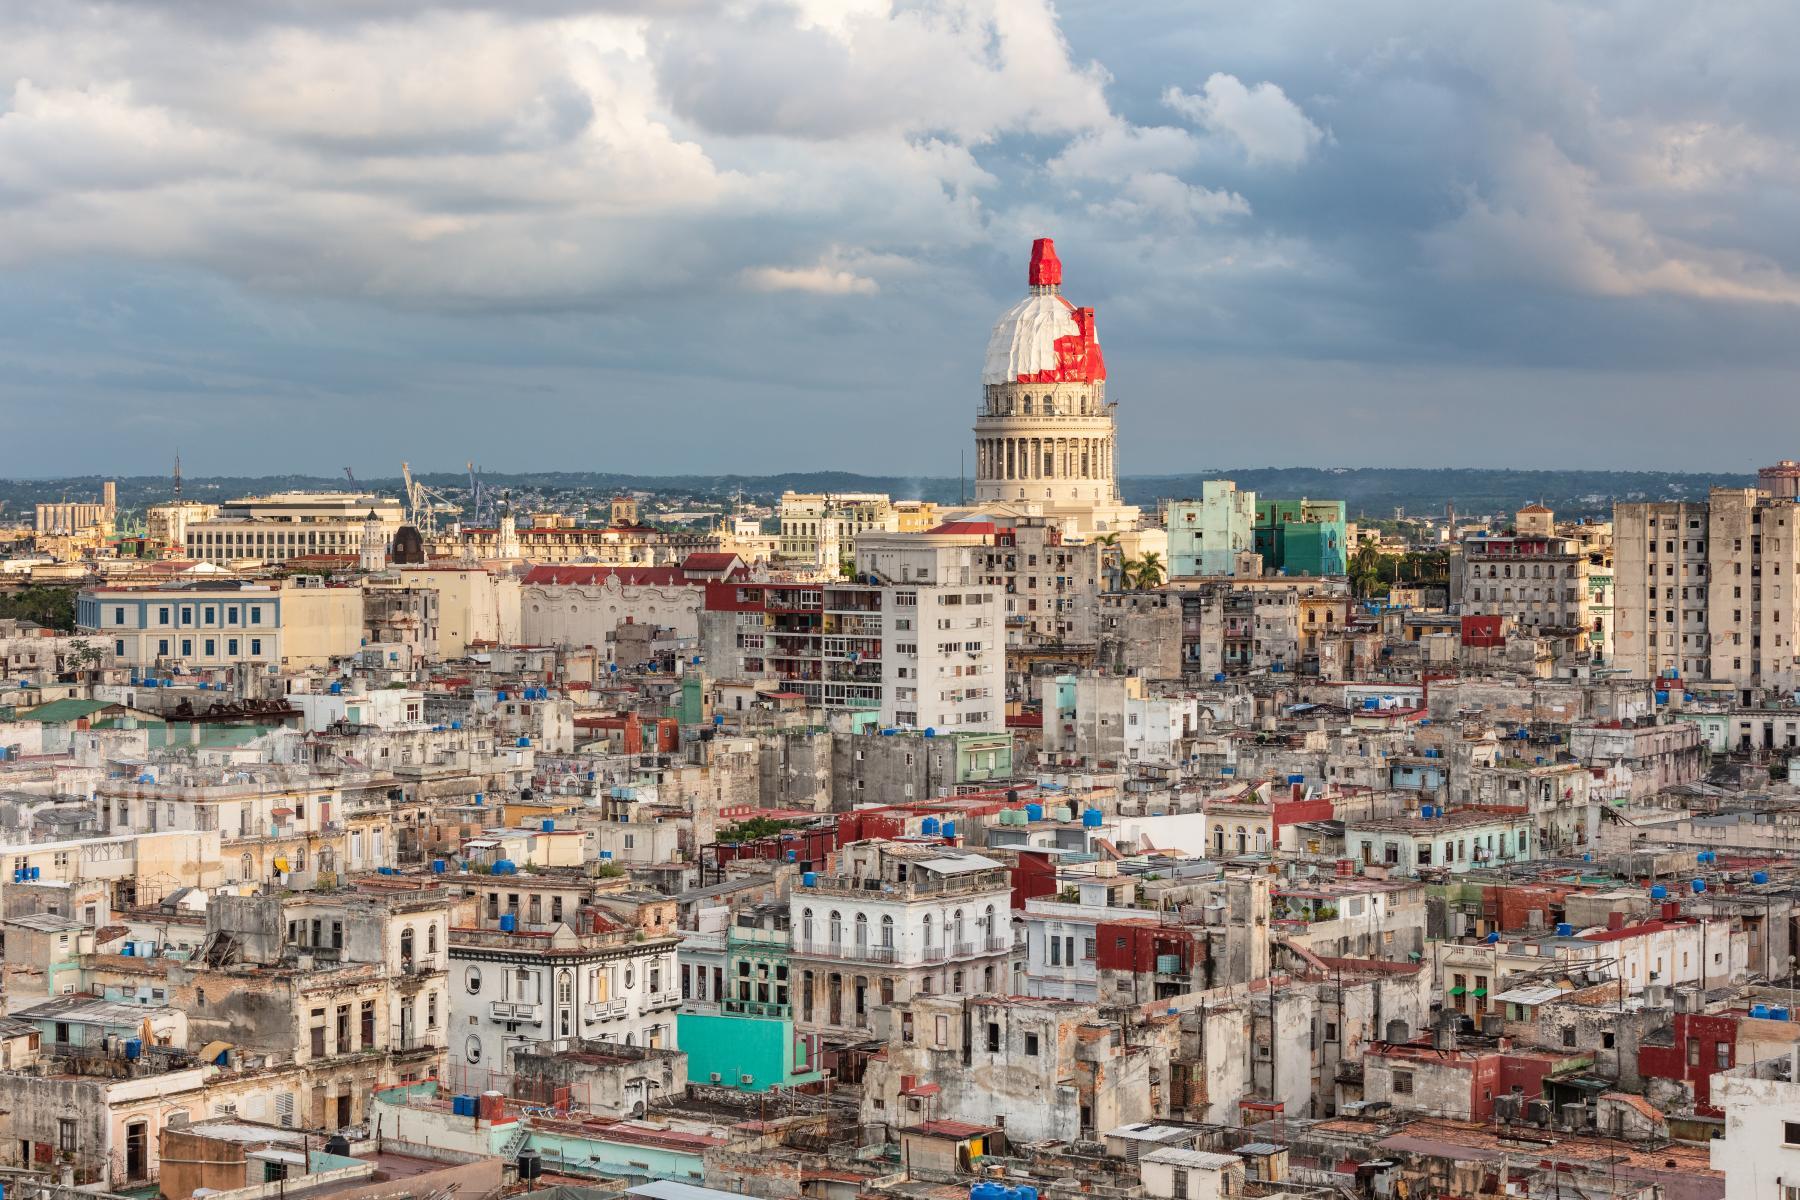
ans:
x=1145 y=572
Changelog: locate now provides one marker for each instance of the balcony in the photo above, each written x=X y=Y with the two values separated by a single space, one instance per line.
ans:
x=516 y=1010
x=605 y=1010
x=667 y=998
x=410 y=1040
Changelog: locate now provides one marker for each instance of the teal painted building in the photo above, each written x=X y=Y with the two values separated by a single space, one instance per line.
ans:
x=745 y=1038
x=1207 y=535
x=1302 y=537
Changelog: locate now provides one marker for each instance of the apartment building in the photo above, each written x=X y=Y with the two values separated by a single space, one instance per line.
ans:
x=538 y=956
x=1705 y=591
x=897 y=920
x=927 y=652
x=820 y=529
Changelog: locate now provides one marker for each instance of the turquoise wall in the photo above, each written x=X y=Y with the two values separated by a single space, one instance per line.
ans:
x=765 y=1048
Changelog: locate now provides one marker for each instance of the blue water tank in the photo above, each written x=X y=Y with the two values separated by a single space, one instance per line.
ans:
x=500 y=695
x=1027 y=1192
x=1218 y=677
x=439 y=866
x=1777 y=1013
x=508 y=922
x=1427 y=811
x=456 y=724
x=1759 y=877
x=1564 y=929
x=1370 y=703
x=129 y=952
x=134 y=1049
x=809 y=879
x=524 y=741
x=1699 y=885
x=929 y=826
x=1662 y=697
x=1492 y=938
x=1093 y=818
x=949 y=829
x=718 y=718
x=1700 y=857
x=930 y=733
x=1034 y=812
x=1296 y=779
x=478 y=798
x=1760 y=1011
x=506 y=866
x=336 y=688
x=793 y=856
x=547 y=825
x=35 y=872
x=1659 y=892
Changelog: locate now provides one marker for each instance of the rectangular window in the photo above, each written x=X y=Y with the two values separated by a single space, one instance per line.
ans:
x=1403 y=1083
x=255 y=646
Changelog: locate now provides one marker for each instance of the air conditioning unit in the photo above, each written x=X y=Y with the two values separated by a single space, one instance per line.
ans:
x=746 y=1080
x=716 y=1077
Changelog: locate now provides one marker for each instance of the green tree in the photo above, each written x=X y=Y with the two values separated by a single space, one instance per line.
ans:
x=1145 y=572
x=51 y=607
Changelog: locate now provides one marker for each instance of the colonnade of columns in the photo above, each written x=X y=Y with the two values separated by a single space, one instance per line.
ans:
x=1044 y=458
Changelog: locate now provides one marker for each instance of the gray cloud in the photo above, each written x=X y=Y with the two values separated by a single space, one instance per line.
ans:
x=758 y=217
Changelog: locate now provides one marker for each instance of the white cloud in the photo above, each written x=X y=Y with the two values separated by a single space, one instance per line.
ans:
x=1155 y=196
x=1268 y=126
x=820 y=280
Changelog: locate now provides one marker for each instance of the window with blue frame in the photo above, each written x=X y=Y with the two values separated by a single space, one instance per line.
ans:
x=210 y=647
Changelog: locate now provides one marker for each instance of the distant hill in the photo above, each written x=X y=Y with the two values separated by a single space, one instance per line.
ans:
x=1367 y=491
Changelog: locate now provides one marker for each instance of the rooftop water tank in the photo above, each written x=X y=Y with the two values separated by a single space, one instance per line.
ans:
x=1093 y=818
x=949 y=829
x=1565 y=929
x=1760 y=1011
x=547 y=825
x=1492 y=938
x=508 y=922
x=929 y=826
x=1699 y=885
x=1034 y=812
x=1659 y=892
x=1760 y=877
x=506 y=866
x=439 y=866
x=809 y=879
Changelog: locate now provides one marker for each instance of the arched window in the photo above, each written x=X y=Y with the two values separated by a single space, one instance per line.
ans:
x=989 y=931
x=1243 y=840
x=1027 y=409
x=957 y=928
x=1219 y=840
x=837 y=928
x=565 y=988
x=928 y=931
x=406 y=945
x=887 y=933
x=862 y=933
x=806 y=935
x=245 y=870
x=431 y=939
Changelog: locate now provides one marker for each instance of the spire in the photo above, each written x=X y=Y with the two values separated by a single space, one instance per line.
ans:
x=178 y=474
x=1046 y=268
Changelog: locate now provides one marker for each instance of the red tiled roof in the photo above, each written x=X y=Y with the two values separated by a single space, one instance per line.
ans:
x=707 y=562
x=589 y=576
x=985 y=527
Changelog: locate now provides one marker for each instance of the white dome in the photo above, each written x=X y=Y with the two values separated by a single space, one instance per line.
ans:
x=1023 y=343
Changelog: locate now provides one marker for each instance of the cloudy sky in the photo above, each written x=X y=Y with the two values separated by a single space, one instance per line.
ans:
x=708 y=235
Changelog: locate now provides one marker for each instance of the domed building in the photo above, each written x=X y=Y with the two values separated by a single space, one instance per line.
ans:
x=1045 y=436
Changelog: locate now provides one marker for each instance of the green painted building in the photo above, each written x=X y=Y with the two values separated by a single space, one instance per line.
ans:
x=745 y=1039
x=1302 y=537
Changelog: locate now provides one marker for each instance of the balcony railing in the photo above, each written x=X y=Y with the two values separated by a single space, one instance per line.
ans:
x=604 y=1010
x=515 y=1010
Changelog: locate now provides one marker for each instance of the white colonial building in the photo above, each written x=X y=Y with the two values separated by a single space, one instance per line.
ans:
x=898 y=920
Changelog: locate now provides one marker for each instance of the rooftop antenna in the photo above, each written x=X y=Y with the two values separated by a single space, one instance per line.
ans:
x=178 y=474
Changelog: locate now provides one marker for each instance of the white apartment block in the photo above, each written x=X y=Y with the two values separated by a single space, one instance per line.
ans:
x=897 y=920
